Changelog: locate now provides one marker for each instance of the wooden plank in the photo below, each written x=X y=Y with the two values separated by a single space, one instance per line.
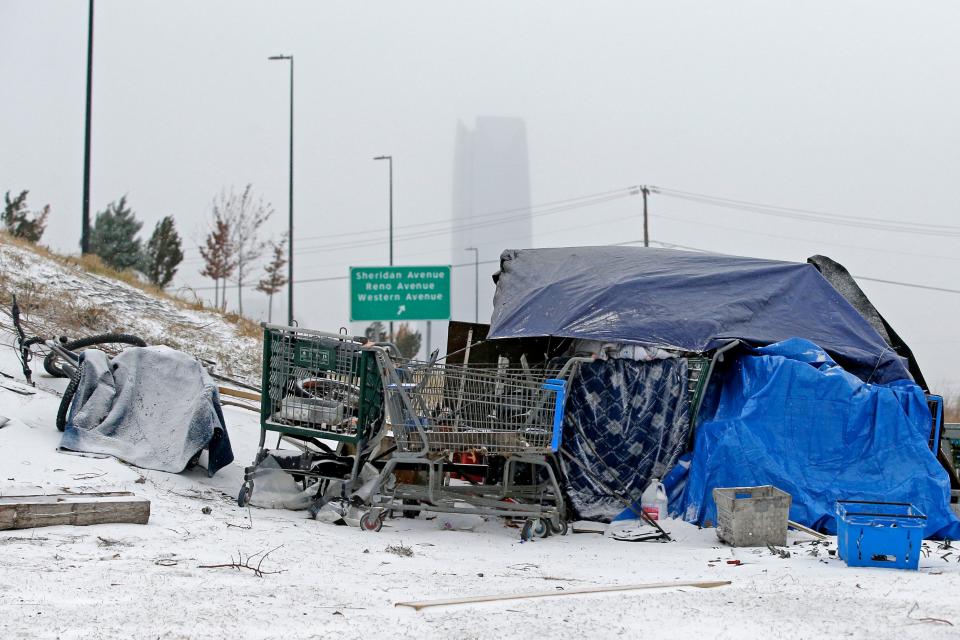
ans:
x=423 y=604
x=806 y=530
x=80 y=509
x=237 y=393
x=242 y=405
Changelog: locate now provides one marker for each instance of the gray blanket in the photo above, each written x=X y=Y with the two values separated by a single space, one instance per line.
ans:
x=153 y=407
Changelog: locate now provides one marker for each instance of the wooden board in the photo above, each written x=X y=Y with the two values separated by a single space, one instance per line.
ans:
x=423 y=604
x=25 y=512
x=236 y=393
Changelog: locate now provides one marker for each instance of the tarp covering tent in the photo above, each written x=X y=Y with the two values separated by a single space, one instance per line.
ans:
x=790 y=417
x=824 y=406
x=684 y=301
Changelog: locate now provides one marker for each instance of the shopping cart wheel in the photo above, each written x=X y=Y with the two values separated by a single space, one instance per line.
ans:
x=559 y=527
x=244 y=495
x=372 y=521
x=535 y=528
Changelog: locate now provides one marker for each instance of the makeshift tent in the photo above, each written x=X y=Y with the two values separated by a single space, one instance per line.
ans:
x=790 y=417
x=798 y=420
x=684 y=301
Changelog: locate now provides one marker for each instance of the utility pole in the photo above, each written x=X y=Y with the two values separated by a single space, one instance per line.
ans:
x=85 y=225
x=646 y=226
x=290 y=231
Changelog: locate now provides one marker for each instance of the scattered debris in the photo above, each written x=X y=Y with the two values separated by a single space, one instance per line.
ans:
x=400 y=550
x=916 y=606
x=88 y=476
x=110 y=542
x=783 y=553
x=240 y=563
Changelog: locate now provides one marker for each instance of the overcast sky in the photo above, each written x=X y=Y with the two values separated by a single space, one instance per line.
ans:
x=848 y=108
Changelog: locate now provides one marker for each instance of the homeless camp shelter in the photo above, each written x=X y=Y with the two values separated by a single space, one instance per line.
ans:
x=719 y=371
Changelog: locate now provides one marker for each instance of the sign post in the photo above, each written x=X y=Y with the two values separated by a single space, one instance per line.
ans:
x=398 y=294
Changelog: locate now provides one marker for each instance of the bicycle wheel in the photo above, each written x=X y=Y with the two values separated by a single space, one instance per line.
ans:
x=67 y=398
x=51 y=363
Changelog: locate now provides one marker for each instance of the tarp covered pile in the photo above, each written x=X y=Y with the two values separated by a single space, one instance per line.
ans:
x=821 y=406
x=153 y=407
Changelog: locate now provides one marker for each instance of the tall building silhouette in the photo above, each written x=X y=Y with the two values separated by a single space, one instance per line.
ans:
x=491 y=205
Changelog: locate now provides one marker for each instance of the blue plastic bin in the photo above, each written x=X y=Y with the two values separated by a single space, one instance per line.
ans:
x=879 y=534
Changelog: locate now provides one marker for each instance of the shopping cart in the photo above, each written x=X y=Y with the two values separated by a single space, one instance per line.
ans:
x=437 y=410
x=321 y=393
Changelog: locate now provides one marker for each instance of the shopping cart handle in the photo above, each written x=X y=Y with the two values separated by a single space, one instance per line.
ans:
x=559 y=387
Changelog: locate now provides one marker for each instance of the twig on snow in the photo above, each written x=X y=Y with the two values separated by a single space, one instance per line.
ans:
x=240 y=563
x=916 y=605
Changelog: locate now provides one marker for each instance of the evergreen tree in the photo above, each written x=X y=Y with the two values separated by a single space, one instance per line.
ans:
x=218 y=258
x=274 y=279
x=407 y=341
x=20 y=222
x=114 y=236
x=163 y=253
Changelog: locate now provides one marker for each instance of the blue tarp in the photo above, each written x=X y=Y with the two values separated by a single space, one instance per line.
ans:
x=790 y=417
x=682 y=300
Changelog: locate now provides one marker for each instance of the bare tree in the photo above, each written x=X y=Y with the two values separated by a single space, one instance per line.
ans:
x=244 y=215
x=218 y=257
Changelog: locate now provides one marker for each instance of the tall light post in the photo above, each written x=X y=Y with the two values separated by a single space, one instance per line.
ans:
x=290 y=233
x=390 y=160
x=85 y=226
x=476 y=283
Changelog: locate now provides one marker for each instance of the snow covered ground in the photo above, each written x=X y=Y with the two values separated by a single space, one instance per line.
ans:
x=144 y=581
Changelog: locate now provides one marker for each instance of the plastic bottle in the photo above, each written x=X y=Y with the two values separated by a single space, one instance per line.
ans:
x=653 y=501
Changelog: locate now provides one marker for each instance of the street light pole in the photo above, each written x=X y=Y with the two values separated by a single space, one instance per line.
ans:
x=389 y=159
x=290 y=232
x=476 y=283
x=85 y=225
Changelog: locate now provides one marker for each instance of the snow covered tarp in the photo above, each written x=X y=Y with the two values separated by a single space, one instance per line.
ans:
x=789 y=416
x=683 y=301
x=153 y=407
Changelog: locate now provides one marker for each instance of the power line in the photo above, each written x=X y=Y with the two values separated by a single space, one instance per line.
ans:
x=674 y=218
x=861 y=222
x=486 y=218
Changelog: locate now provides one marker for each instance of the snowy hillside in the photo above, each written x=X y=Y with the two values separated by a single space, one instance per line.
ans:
x=59 y=296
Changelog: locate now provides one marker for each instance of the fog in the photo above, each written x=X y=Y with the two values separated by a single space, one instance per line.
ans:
x=844 y=108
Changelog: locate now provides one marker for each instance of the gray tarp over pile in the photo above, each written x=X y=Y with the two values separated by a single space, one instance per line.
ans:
x=684 y=301
x=153 y=407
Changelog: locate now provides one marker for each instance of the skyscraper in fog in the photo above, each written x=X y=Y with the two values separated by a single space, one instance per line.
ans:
x=491 y=204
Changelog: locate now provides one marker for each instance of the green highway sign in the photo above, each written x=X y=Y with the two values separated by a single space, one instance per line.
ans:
x=399 y=293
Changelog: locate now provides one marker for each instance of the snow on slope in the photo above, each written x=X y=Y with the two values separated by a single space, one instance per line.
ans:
x=69 y=300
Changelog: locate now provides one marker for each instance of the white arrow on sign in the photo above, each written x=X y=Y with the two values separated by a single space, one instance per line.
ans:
x=402 y=308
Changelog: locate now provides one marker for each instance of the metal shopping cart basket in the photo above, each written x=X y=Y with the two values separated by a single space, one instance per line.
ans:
x=436 y=410
x=321 y=393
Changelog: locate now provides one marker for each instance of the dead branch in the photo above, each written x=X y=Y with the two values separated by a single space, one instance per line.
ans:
x=240 y=563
